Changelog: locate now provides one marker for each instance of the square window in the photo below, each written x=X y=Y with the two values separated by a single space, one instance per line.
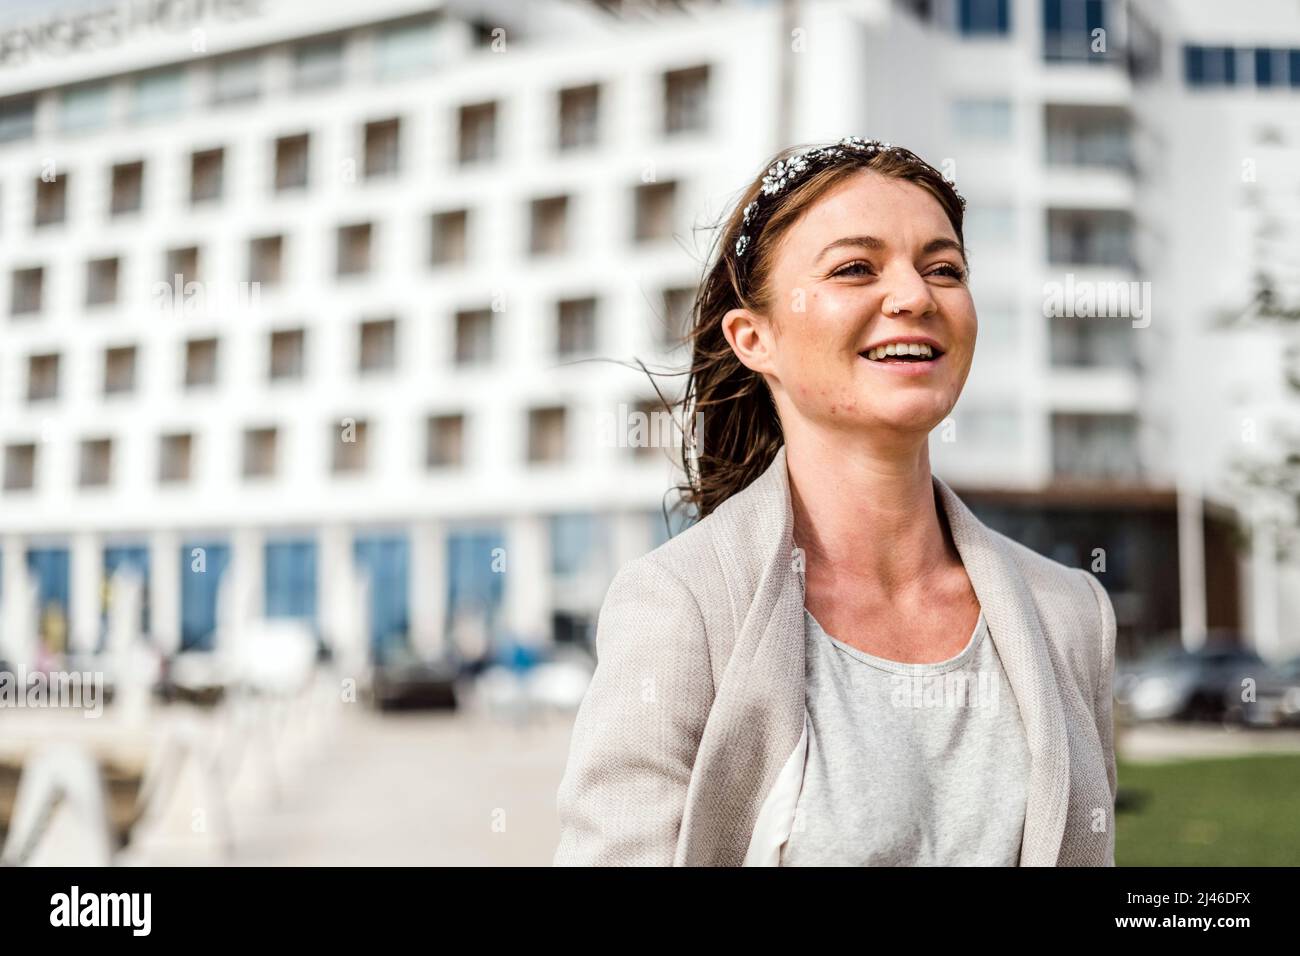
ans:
x=579 y=118
x=354 y=249
x=174 y=456
x=182 y=265
x=20 y=467
x=119 y=370
x=17 y=118
x=445 y=441
x=43 y=377
x=477 y=133
x=27 y=290
x=96 y=464
x=266 y=260
x=318 y=64
x=404 y=50
x=236 y=79
x=291 y=162
x=473 y=337
x=546 y=435
x=200 y=362
x=288 y=355
x=686 y=100
x=377 y=346
x=260 y=452
x=576 y=327
x=450 y=239
x=207 y=169
x=126 y=189
x=158 y=93
x=549 y=225
x=51 y=199
x=383 y=142
x=101 y=281
x=655 y=204
x=350 y=440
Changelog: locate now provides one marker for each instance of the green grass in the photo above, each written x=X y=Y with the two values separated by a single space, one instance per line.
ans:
x=1237 y=811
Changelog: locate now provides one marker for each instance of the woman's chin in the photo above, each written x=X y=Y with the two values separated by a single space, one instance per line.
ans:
x=914 y=420
x=913 y=413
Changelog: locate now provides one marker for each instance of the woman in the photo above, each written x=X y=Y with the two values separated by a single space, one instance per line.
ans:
x=775 y=685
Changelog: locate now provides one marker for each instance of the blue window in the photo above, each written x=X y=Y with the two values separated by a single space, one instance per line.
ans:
x=385 y=559
x=1069 y=27
x=661 y=529
x=1264 y=74
x=577 y=540
x=1210 y=65
x=49 y=567
x=475 y=576
x=17 y=118
x=1094 y=16
x=1229 y=58
x=1293 y=60
x=203 y=564
x=983 y=16
x=291 y=579
x=158 y=93
x=133 y=557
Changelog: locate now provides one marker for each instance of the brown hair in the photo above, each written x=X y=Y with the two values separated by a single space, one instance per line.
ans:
x=729 y=419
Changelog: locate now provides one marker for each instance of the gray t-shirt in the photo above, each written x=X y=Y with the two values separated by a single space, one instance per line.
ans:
x=909 y=764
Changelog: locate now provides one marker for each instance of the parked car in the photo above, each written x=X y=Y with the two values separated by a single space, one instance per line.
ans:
x=1277 y=698
x=1177 y=684
x=402 y=680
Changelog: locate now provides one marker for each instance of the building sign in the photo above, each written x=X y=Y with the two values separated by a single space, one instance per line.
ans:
x=72 y=32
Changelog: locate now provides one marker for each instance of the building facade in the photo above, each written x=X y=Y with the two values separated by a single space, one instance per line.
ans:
x=297 y=293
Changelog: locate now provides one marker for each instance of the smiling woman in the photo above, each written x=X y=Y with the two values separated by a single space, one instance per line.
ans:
x=744 y=706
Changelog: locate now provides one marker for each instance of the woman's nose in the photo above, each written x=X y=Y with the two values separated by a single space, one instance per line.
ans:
x=909 y=295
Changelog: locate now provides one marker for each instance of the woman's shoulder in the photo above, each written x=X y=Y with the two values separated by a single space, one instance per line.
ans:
x=1048 y=579
x=1072 y=602
x=689 y=557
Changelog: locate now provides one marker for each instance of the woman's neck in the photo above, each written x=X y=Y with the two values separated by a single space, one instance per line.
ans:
x=865 y=510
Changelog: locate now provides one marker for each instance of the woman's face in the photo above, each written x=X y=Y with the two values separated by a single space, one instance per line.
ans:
x=866 y=247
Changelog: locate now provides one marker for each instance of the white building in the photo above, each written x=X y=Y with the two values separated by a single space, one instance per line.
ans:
x=400 y=227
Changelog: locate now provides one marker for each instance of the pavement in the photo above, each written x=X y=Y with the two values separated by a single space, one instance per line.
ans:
x=441 y=788
x=1158 y=742
x=419 y=789
x=426 y=789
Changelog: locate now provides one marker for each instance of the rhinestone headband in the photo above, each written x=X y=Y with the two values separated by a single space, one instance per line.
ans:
x=786 y=171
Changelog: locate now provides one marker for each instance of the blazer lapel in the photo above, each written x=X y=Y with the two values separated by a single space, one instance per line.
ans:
x=757 y=717
x=758 y=712
x=1022 y=647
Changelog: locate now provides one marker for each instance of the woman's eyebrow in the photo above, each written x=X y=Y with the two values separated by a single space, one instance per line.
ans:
x=874 y=243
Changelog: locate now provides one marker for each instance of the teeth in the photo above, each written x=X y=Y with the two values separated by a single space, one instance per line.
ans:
x=900 y=348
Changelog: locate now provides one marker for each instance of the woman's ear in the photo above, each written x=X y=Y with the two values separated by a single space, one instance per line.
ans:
x=750 y=337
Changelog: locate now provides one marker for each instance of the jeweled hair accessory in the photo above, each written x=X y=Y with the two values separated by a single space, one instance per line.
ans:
x=786 y=171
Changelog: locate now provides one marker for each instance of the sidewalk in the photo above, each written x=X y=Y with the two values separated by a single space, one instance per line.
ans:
x=419 y=789
x=1161 y=741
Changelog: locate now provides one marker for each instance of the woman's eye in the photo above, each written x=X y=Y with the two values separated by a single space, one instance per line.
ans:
x=952 y=271
x=858 y=268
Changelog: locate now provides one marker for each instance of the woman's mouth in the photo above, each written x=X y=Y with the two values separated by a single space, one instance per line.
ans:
x=902 y=356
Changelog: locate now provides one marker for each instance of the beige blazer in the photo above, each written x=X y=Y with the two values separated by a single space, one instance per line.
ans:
x=688 y=747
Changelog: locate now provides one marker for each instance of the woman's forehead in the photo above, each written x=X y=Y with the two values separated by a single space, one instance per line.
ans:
x=895 y=211
x=881 y=198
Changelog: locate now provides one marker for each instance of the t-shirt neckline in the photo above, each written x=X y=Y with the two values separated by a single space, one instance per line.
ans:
x=904 y=667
